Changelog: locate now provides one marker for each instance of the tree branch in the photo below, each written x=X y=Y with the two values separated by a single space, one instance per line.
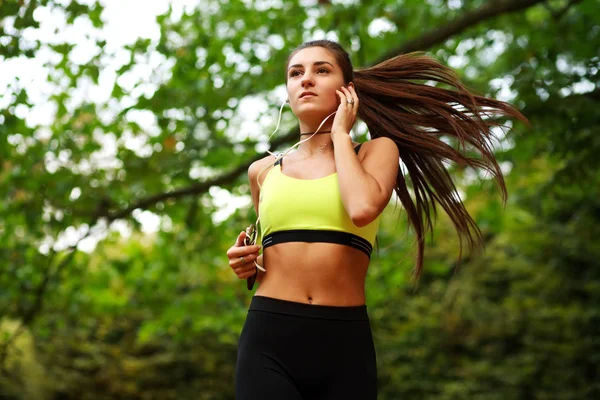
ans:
x=203 y=187
x=425 y=41
x=442 y=33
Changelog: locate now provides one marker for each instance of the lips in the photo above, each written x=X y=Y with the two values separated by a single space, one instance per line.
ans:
x=307 y=94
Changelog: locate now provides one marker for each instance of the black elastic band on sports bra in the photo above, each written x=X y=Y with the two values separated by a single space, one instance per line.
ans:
x=316 y=236
x=280 y=161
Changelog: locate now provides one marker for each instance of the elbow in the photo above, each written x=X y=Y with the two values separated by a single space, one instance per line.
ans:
x=364 y=216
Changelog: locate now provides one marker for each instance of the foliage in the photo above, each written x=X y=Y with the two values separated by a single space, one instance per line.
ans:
x=157 y=315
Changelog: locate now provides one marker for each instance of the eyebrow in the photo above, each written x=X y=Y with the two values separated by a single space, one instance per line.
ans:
x=315 y=63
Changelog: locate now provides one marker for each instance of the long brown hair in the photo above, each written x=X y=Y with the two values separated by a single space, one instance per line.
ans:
x=417 y=117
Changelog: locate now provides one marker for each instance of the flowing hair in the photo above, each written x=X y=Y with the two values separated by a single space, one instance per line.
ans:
x=418 y=117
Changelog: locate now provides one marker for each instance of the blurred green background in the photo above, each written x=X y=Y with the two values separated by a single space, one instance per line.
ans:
x=126 y=130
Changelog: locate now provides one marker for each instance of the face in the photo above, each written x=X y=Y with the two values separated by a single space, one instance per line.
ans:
x=313 y=76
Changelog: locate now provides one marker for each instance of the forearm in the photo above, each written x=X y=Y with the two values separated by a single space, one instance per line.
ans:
x=358 y=189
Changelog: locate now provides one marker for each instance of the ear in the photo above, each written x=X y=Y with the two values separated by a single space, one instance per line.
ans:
x=350 y=85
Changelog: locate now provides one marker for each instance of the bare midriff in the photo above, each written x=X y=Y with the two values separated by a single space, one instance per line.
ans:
x=314 y=273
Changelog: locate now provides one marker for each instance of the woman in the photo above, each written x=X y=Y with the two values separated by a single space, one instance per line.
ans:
x=307 y=334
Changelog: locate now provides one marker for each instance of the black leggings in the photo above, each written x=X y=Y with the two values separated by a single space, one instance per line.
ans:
x=297 y=351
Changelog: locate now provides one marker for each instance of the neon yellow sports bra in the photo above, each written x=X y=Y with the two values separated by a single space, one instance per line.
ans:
x=309 y=210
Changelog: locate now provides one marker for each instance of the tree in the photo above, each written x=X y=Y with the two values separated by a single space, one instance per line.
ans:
x=146 y=290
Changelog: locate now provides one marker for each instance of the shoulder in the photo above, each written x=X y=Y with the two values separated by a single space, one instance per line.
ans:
x=382 y=146
x=259 y=165
x=381 y=157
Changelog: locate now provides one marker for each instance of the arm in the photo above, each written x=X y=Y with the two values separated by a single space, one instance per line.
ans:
x=255 y=168
x=365 y=187
x=253 y=171
x=245 y=268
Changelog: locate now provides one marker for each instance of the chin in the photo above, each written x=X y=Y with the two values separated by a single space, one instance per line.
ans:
x=309 y=112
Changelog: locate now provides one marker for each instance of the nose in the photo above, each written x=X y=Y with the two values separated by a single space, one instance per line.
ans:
x=307 y=80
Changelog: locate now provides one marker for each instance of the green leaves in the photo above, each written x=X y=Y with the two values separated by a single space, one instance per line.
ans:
x=148 y=306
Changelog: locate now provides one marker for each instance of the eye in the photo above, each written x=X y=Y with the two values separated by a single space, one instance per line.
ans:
x=295 y=73
x=322 y=70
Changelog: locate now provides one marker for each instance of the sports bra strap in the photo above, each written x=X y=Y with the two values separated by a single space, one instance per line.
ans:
x=280 y=161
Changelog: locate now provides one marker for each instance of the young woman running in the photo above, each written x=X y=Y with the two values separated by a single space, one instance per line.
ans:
x=307 y=334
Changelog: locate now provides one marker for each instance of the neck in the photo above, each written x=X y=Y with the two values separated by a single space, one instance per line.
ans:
x=319 y=140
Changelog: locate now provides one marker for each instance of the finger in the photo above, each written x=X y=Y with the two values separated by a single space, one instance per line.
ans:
x=354 y=96
x=238 y=251
x=347 y=94
x=350 y=99
x=238 y=262
x=251 y=249
x=248 y=260
x=247 y=275
x=249 y=256
x=244 y=270
x=354 y=99
x=240 y=239
x=342 y=98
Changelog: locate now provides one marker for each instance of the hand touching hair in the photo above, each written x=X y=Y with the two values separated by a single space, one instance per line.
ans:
x=396 y=103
